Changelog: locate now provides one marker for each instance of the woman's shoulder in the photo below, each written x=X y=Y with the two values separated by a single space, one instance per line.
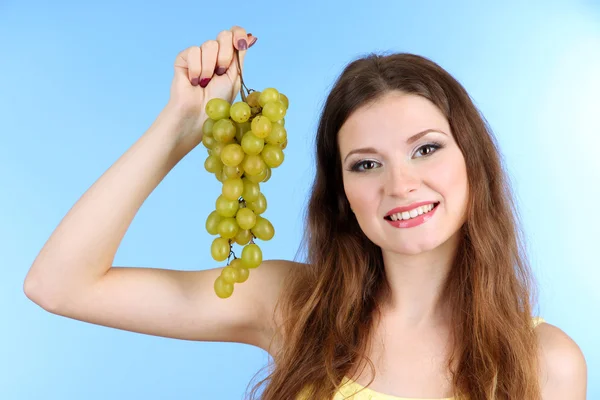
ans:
x=563 y=369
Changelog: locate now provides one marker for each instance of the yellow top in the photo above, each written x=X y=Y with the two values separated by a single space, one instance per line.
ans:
x=350 y=390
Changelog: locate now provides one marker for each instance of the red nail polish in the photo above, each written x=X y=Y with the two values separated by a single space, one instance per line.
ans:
x=204 y=82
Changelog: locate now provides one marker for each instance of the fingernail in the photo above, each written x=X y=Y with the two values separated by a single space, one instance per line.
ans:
x=252 y=42
x=242 y=44
x=204 y=82
x=220 y=70
x=194 y=81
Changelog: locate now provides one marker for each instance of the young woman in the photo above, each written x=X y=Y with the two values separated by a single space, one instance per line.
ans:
x=416 y=283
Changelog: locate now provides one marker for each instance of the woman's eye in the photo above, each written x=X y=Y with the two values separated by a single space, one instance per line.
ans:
x=364 y=165
x=433 y=146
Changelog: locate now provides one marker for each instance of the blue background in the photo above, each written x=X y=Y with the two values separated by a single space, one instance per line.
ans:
x=81 y=81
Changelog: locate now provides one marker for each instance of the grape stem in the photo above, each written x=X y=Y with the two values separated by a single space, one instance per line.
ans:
x=237 y=57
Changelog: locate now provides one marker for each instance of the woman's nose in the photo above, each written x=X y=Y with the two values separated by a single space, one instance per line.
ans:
x=401 y=180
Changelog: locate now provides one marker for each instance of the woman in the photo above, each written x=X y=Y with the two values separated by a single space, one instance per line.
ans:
x=416 y=282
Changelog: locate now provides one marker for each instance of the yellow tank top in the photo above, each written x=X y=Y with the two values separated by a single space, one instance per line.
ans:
x=350 y=390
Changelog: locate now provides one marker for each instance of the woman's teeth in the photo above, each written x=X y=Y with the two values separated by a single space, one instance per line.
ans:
x=412 y=213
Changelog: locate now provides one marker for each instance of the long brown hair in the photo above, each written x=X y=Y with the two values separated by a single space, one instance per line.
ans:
x=330 y=303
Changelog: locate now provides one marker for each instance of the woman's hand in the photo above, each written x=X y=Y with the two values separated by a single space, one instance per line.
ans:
x=203 y=73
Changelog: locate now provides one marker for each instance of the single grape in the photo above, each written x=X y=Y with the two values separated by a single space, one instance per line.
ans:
x=259 y=205
x=253 y=164
x=240 y=112
x=217 y=149
x=251 y=190
x=263 y=229
x=241 y=129
x=217 y=108
x=228 y=228
x=251 y=256
x=245 y=218
x=220 y=249
x=220 y=175
x=232 y=188
x=272 y=155
x=261 y=126
x=277 y=136
x=222 y=288
x=284 y=99
x=230 y=274
x=274 y=110
x=213 y=163
x=226 y=207
x=224 y=131
x=207 y=126
x=243 y=236
x=258 y=178
x=252 y=144
x=267 y=95
x=208 y=141
x=212 y=221
x=268 y=174
x=252 y=99
x=283 y=145
x=232 y=154
x=233 y=172
x=281 y=122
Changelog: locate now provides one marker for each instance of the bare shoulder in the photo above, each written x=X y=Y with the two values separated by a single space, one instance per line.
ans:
x=563 y=369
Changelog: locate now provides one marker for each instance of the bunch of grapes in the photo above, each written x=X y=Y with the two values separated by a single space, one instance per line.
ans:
x=245 y=141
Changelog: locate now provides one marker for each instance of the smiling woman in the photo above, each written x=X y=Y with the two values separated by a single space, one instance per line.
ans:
x=416 y=265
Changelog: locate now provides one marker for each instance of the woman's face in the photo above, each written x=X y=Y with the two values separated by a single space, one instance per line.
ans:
x=397 y=152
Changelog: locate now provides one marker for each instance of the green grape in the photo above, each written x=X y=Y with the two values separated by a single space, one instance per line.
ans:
x=252 y=99
x=228 y=228
x=241 y=129
x=212 y=221
x=281 y=122
x=232 y=154
x=258 y=178
x=243 y=236
x=259 y=205
x=274 y=110
x=208 y=141
x=217 y=108
x=243 y=272
x=268 y=174
x=232 y=188
x=277 y=136
x=253 y=164
x=251 y=190
x=240 y=112
x=207 y=126
x=226 y=207
x=213 y=163
x=233 y=172
x=267 y=95
x=261 y=126
x=224 y=131
x=263 y=229
x=272 y=155
x=222 y=288
x=220 y=249
x=252 y=144
x=217 y=149
x=283 y=145
x=245 y=218
x=219 y=175
x=284 y=99
x=251 y=256
x=230 y=274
